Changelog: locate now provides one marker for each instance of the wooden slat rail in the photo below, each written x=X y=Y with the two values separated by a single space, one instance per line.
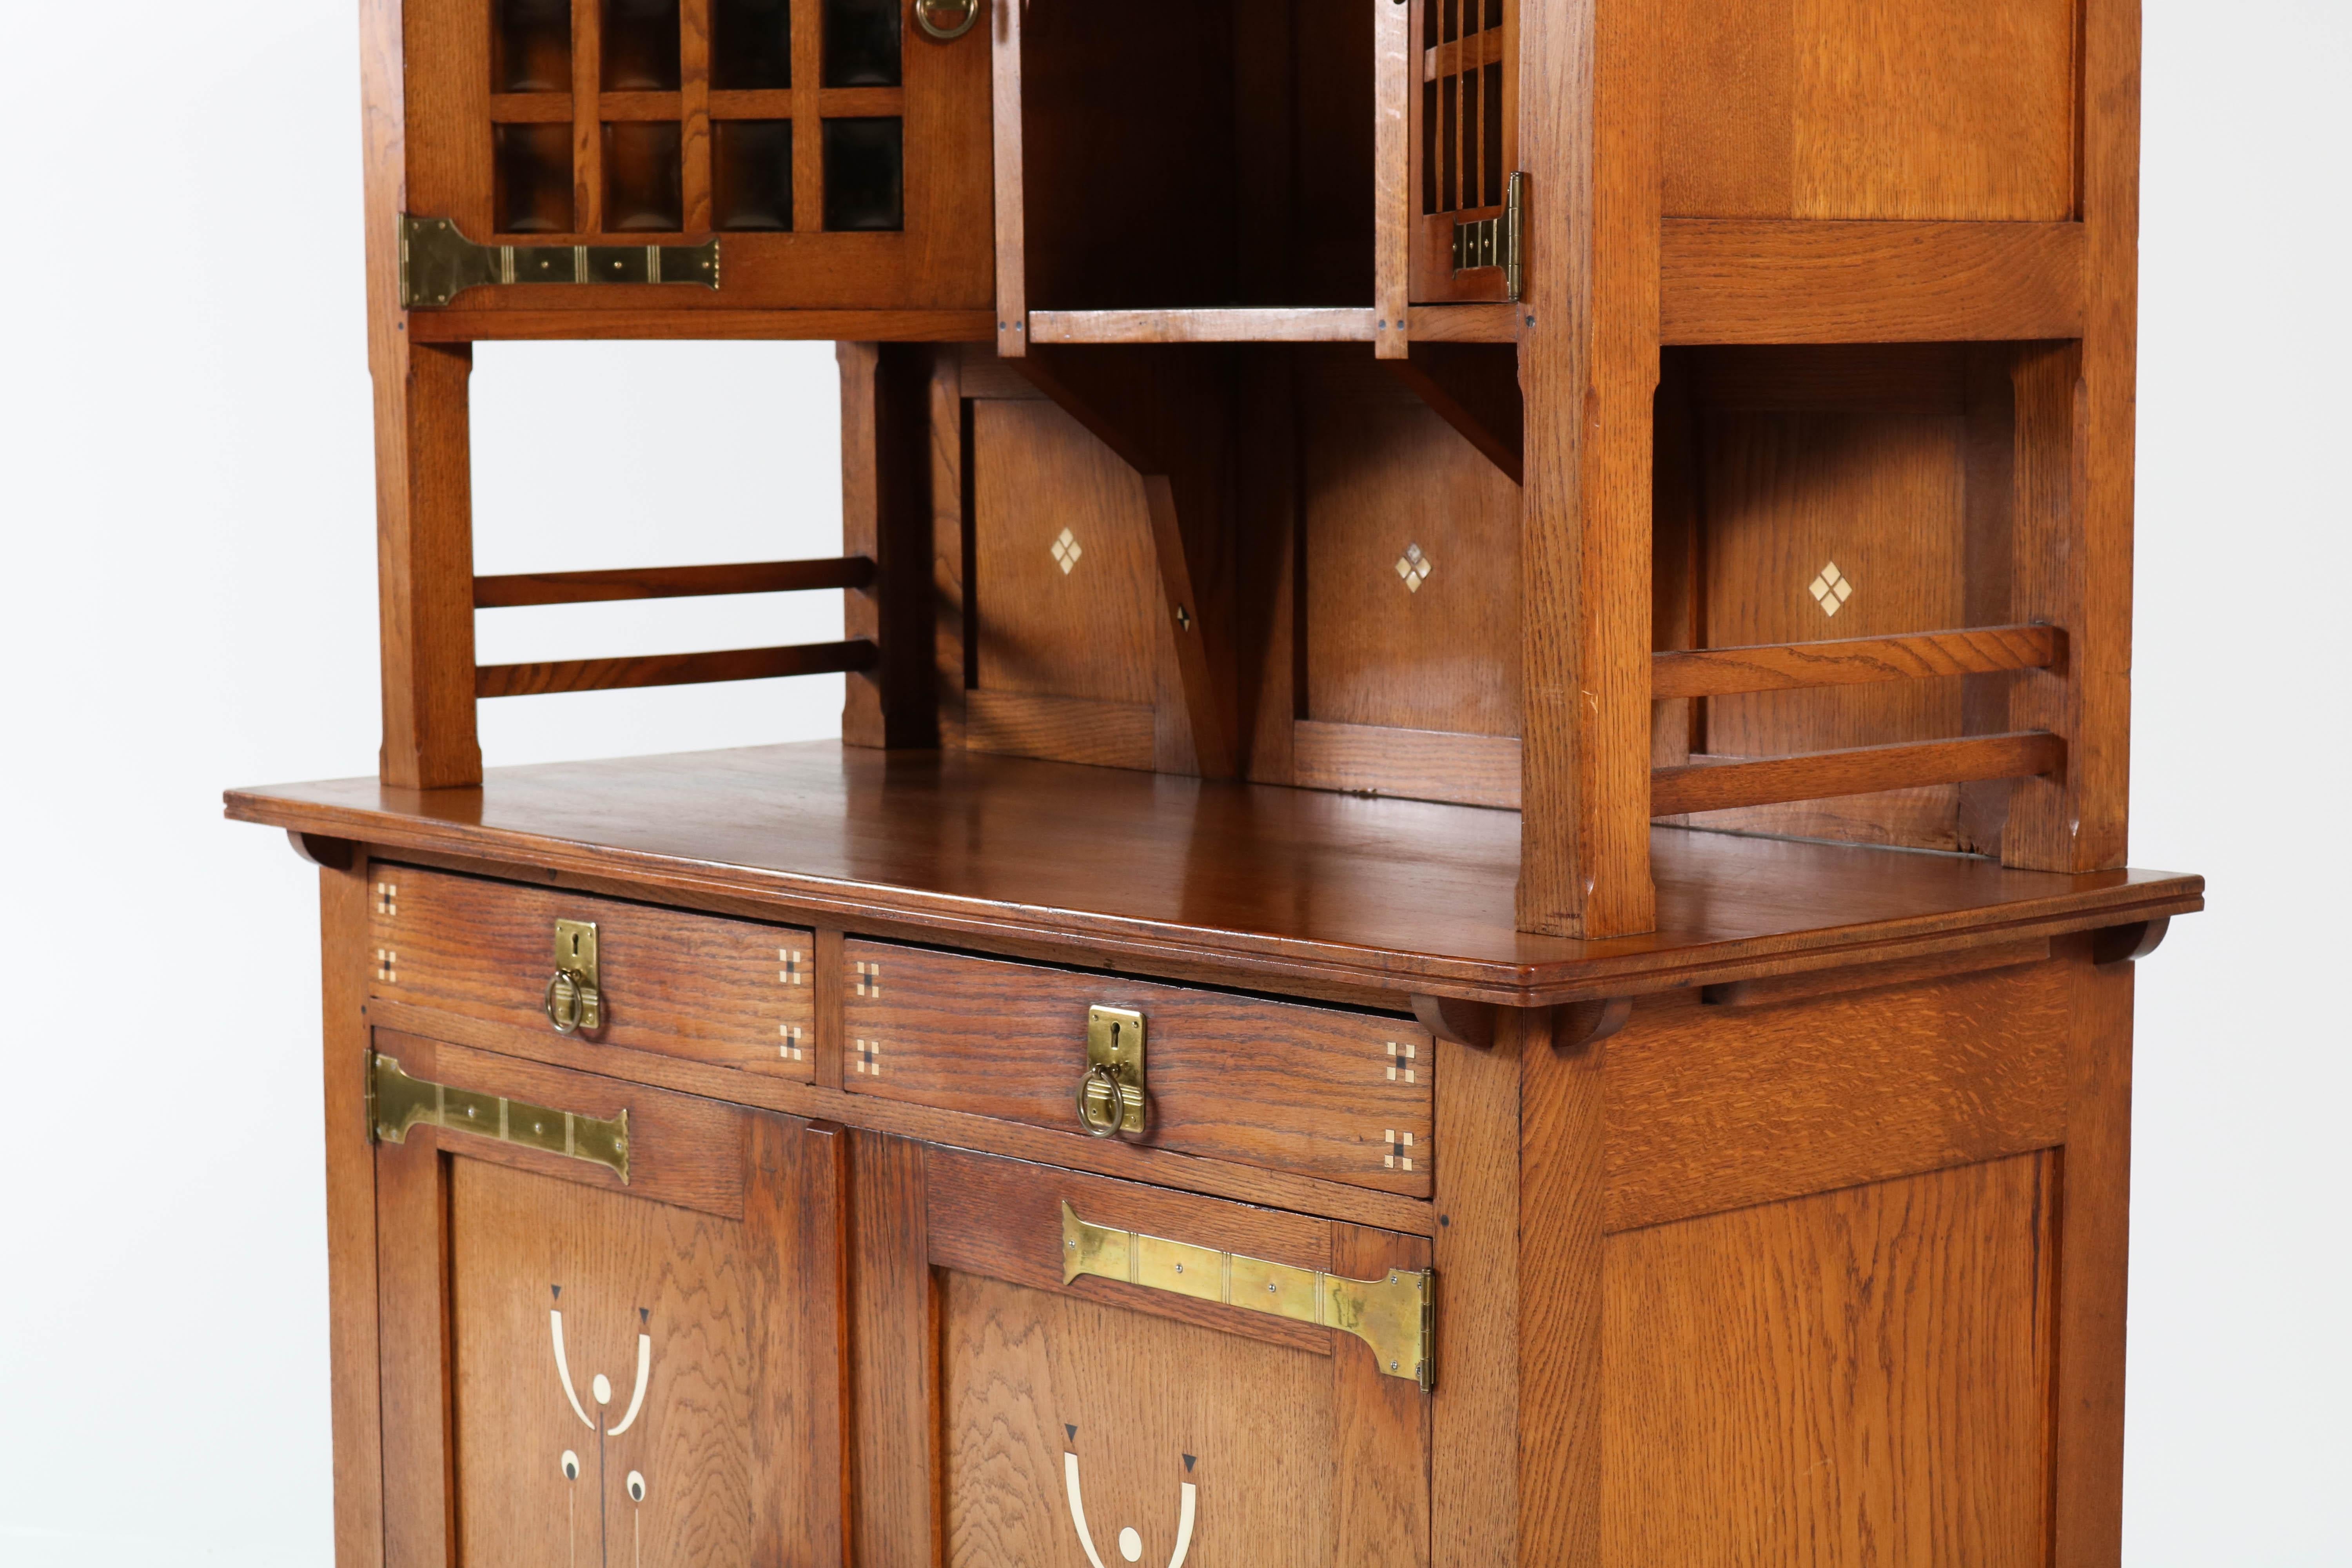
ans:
x=671 y=582
x=1853 y=662
x=1864 y=770
x=673 y=668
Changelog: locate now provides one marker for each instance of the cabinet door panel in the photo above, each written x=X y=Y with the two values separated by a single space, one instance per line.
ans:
x=1098 y=1421
x=578 y=1370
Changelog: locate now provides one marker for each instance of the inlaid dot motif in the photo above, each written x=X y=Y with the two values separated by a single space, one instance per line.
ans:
x=1414 y=568
x=1830 y=589
x=1067 y=551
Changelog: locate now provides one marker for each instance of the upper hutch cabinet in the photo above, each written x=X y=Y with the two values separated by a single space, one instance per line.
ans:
x=838 y=148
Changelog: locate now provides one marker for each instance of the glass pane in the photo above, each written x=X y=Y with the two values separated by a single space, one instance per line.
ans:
x=643 y=178
x=531 y=45
x=753 y=185
x=640 y=45
x=861 y=43
x=865 y=183
x=751 y=48
x=533 y=178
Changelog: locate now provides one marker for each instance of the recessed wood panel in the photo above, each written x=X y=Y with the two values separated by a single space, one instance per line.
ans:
x=1857 y=1378
x=1862 y=109
x=1833 y=492
x=1038 y=1384
x=1059 y=616
x=515 y=1238
x=1413 y=559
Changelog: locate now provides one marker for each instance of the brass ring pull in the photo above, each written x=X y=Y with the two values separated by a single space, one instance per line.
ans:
x=1117 y=1096
x=946 y=19
x=574 y=1011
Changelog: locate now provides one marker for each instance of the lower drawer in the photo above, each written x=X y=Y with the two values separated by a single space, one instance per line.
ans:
x=1315 y=1090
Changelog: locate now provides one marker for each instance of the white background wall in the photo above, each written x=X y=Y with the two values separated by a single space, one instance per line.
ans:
x=186 y=602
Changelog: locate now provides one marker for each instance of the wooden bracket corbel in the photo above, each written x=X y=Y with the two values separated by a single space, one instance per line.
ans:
x=1463 y=1022
x=1582 y=1024
x=330 y=853
x=2128 y=943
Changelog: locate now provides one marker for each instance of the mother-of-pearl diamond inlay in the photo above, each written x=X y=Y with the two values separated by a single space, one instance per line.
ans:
x=1830 y=589
x=1067 y=551
x=1414 y=568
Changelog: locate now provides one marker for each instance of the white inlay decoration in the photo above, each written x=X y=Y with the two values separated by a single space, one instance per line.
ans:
x=1067 y=551
x=1399 y=1155
x=1130 y=1543
x=1832 y=589
x=1401 y=1059
x=1414 y=568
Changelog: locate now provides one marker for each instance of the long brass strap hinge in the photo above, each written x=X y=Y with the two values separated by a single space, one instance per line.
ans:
x=1494 y=241
x=1396 y=1316
x=397 y=1102
x=437 y=263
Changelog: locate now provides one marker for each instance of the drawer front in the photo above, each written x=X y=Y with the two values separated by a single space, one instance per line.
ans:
x=1313 y=1091
x=736 y=993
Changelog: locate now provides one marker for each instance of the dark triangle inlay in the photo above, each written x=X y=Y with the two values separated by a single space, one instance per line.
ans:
x=1071 y=1430
x=1187 y=1464
x=558 y=1291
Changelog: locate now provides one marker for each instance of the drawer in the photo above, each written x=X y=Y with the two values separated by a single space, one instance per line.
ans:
x=736 y=993
x=1314 y=1090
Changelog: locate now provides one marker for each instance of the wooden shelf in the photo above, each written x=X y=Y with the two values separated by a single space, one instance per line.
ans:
x=1246 y=885
x=1299 y=324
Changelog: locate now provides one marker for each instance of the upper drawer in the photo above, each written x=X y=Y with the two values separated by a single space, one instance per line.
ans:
x=1343 y=1096
x=732 y=991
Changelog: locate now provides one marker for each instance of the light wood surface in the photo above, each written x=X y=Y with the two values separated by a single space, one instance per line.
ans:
x=1246 y=878
x=1860 y=1377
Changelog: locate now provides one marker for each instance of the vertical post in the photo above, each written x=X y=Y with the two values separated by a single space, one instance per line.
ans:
x=1589 y=364
x=356 y=1404
x=2073 y=557
x=1011 y=230
x=1475 y=1413
x=886 y=516
x=950 y=438
x=425 y=550
x=1396 y=85
x=1561 y=1205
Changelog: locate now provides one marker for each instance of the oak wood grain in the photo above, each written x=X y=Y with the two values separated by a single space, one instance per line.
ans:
x=1239 y=884
x=1564 y=1452
x=1858 y=1377
x=1709 y=1112
x=865 y=1113
x=1853 y=662
x=1413 y=764
x=1343 y=1097
x=674 y=669
x=728 y=992
x=893 y=1506
x=1821 y=281
x=671 y=582
x=601 y=321
x=1718 y=785
x=353 y=1329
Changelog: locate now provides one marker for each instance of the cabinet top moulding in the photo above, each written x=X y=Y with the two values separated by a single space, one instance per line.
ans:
x=1248 y=885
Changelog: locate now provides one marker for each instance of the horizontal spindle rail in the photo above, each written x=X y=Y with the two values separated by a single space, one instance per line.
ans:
x=673 y=668
x=1864 y=770
x=671 y=582
x=1853 y=662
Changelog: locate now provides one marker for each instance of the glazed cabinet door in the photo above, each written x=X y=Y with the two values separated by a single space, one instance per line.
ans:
x=1122 y=1374
x=611 y=1325
x=838 y=150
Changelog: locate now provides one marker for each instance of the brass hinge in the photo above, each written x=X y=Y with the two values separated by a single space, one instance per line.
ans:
x=1396 y=1316
x=397 y=1102
x=1494 y=241
x=437 y=263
